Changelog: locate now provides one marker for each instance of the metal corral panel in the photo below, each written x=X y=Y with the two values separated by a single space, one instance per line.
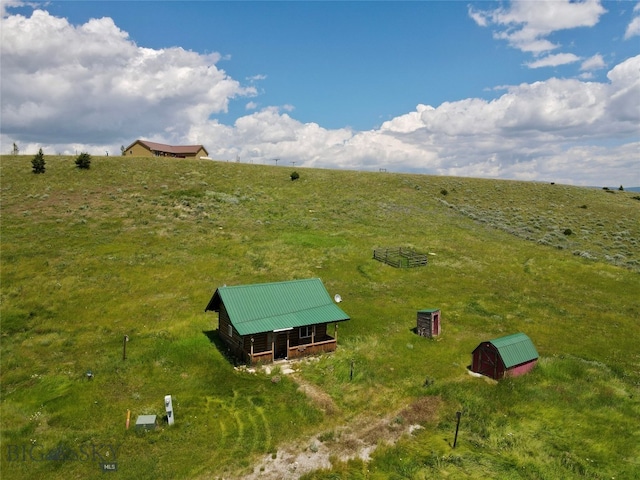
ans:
x=515 y=349
x=269 y=307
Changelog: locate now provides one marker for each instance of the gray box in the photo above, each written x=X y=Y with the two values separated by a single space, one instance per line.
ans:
x=146 y=422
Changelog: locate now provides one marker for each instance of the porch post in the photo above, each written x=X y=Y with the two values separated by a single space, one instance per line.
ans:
x=313 y=335
x=287 y=343
x=273 y=347
x=335 y=331
x=252 y=350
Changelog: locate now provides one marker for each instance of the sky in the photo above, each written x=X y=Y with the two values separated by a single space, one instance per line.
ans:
x=524 y=90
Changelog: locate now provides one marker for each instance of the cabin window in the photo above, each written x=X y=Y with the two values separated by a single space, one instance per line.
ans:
x=305 y=332
x=230 y=330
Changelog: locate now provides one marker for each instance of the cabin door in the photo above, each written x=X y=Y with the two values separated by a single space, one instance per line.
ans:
x=280 y=345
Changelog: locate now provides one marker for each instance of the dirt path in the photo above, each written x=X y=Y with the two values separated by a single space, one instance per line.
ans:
x=358 y=439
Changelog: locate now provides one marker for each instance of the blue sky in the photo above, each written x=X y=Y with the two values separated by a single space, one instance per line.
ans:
x=361 y=85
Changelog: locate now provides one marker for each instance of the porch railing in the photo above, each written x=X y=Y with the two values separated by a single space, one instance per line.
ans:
x=327 y=345
x=312 y=348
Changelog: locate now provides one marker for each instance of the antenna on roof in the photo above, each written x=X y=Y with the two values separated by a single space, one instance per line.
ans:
x=337 y=298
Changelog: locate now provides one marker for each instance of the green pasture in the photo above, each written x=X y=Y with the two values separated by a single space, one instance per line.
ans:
x=136 y=247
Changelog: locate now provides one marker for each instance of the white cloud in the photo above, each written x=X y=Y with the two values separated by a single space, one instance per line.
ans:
x=7 y=4
x=525 y=25
x=624 y=102
x=62 y=82
x=633 y=29
x=593 y=63
x=554 y=60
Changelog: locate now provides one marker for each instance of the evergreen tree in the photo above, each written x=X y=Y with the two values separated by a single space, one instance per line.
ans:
x=38 y=162
x=83 y=161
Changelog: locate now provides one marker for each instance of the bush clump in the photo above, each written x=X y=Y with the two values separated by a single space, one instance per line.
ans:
x=83 y=161
x=38 y=163
x=295 y=176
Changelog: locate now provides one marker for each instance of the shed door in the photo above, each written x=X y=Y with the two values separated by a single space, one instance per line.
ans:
x=435 y=327
x=487 y=362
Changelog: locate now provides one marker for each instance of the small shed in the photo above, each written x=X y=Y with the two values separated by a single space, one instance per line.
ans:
x=267 y=321
x=511 y=356
x=428 y=322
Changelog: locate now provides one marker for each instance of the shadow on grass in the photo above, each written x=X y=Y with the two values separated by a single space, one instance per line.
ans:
x=214 y=338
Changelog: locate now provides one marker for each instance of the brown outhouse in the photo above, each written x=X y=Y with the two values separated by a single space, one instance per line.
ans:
x=428 y=322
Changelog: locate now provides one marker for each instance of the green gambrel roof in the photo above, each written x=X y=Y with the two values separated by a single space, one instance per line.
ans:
x=515 y=349
x=268 y=307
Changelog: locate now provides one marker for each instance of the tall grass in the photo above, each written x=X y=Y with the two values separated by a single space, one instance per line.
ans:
x=137 y=246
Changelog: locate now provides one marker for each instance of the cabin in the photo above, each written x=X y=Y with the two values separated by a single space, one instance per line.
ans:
x=144 y=148
x=428 y=322
x=261 y=323
x=508 y=356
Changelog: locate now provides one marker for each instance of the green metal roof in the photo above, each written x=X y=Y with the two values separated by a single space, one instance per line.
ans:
x=428 y=310
x=515 y=349
x=268 y=307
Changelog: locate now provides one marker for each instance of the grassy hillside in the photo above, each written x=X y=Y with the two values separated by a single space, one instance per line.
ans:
x=137 y=246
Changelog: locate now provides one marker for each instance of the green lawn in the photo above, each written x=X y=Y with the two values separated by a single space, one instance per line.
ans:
x=137 y=246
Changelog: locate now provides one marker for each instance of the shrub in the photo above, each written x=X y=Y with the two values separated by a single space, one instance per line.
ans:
x=38 y=162
x=294 y=176
x=83 y=161
x=444 y=192
x=567 y=231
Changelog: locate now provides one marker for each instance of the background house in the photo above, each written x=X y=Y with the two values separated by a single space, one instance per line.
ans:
x=512 y=355
x=144 y=148
x=264 y=322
